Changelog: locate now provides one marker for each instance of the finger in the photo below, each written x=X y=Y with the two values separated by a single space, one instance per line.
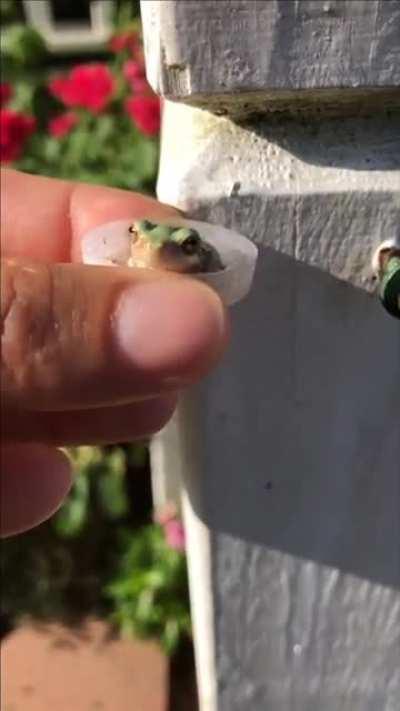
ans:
x=106 y=425
x=34 y=481
x=77 y=337
x=44 y=218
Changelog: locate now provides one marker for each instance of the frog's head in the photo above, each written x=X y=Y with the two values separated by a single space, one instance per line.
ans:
x=178 y=249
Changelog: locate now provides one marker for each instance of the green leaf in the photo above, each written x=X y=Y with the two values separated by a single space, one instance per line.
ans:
x=171 y=636
x=72 y=516
x=22 y=44
x=152 y=590
x=51 y=149
x=112 y=494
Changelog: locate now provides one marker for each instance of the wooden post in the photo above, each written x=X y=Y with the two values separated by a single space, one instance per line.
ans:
x=281 y=121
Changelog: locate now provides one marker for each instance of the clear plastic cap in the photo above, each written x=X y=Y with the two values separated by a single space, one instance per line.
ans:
x=109 y=244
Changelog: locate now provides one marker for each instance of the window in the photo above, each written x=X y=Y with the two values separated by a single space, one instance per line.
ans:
x=68 y=26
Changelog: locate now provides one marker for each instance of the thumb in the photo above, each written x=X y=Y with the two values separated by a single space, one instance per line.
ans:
x=78 y=336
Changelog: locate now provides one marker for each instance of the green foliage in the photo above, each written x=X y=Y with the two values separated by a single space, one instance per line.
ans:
x=91 y=558
x=21 y=45
x=104 y=148
x=150 y=592
x=126 y=14
x=100 y=481
x=59 y=569
x=10 y=11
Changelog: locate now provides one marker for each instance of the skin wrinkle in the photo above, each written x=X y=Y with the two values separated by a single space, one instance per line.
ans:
x=26 y=340
x=7 y=298
x=70 y=190
x=99 y=426
x=58 y=338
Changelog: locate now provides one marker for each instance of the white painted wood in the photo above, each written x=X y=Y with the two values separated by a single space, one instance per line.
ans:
x=74 y=37
x=166 y=466
x=290 y=451
x=325 y=193
x=305 y=575
x=202 y=605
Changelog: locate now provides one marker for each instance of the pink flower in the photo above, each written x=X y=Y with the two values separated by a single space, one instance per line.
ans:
x=6 y=92
x=145 y=113
x=89 y=86
x=15 y=129
x=124 y=40
x=175 y=534
x=164 y=514
x=61 y=125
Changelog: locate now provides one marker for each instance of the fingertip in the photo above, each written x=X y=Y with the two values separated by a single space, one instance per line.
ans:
x=35 y=479
x=174 y=328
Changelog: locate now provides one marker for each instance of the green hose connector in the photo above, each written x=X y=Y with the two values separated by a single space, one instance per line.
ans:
x=389 y=283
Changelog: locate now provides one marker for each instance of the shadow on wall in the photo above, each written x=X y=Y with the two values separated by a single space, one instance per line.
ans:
x=298 y=443
x=360 y=143
x=302 y=230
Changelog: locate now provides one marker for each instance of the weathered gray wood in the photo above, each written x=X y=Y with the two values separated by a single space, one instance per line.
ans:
x=238 y=56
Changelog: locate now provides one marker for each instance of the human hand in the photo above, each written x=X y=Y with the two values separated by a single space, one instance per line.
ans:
x=89 y=354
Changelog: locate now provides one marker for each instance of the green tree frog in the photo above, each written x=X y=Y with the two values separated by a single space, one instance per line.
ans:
x=179 y=249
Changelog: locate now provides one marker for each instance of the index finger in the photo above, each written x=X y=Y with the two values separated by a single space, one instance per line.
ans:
x=44 y=218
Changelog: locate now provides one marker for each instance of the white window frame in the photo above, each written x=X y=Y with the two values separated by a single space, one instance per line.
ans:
x=65 y=37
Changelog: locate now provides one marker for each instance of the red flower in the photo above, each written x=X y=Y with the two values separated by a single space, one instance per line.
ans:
x=6 y=92
x=145 y=113
x=133 y=70
x=134 y=73
x=15 y=128
x=124 y=40
x=61 y=125
x=141 y=86
x=87 y=85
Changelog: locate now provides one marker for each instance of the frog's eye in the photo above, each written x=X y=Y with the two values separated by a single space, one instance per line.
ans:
x=190 y=245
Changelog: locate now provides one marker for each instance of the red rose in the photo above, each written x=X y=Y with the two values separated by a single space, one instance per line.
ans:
x=145 y=113
x=87 y=85
x=133 y=70
x=134 y=73
x=124 y=40
x=141 y=86
x=6 y=92
x=61 y=125
x=15 y=128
